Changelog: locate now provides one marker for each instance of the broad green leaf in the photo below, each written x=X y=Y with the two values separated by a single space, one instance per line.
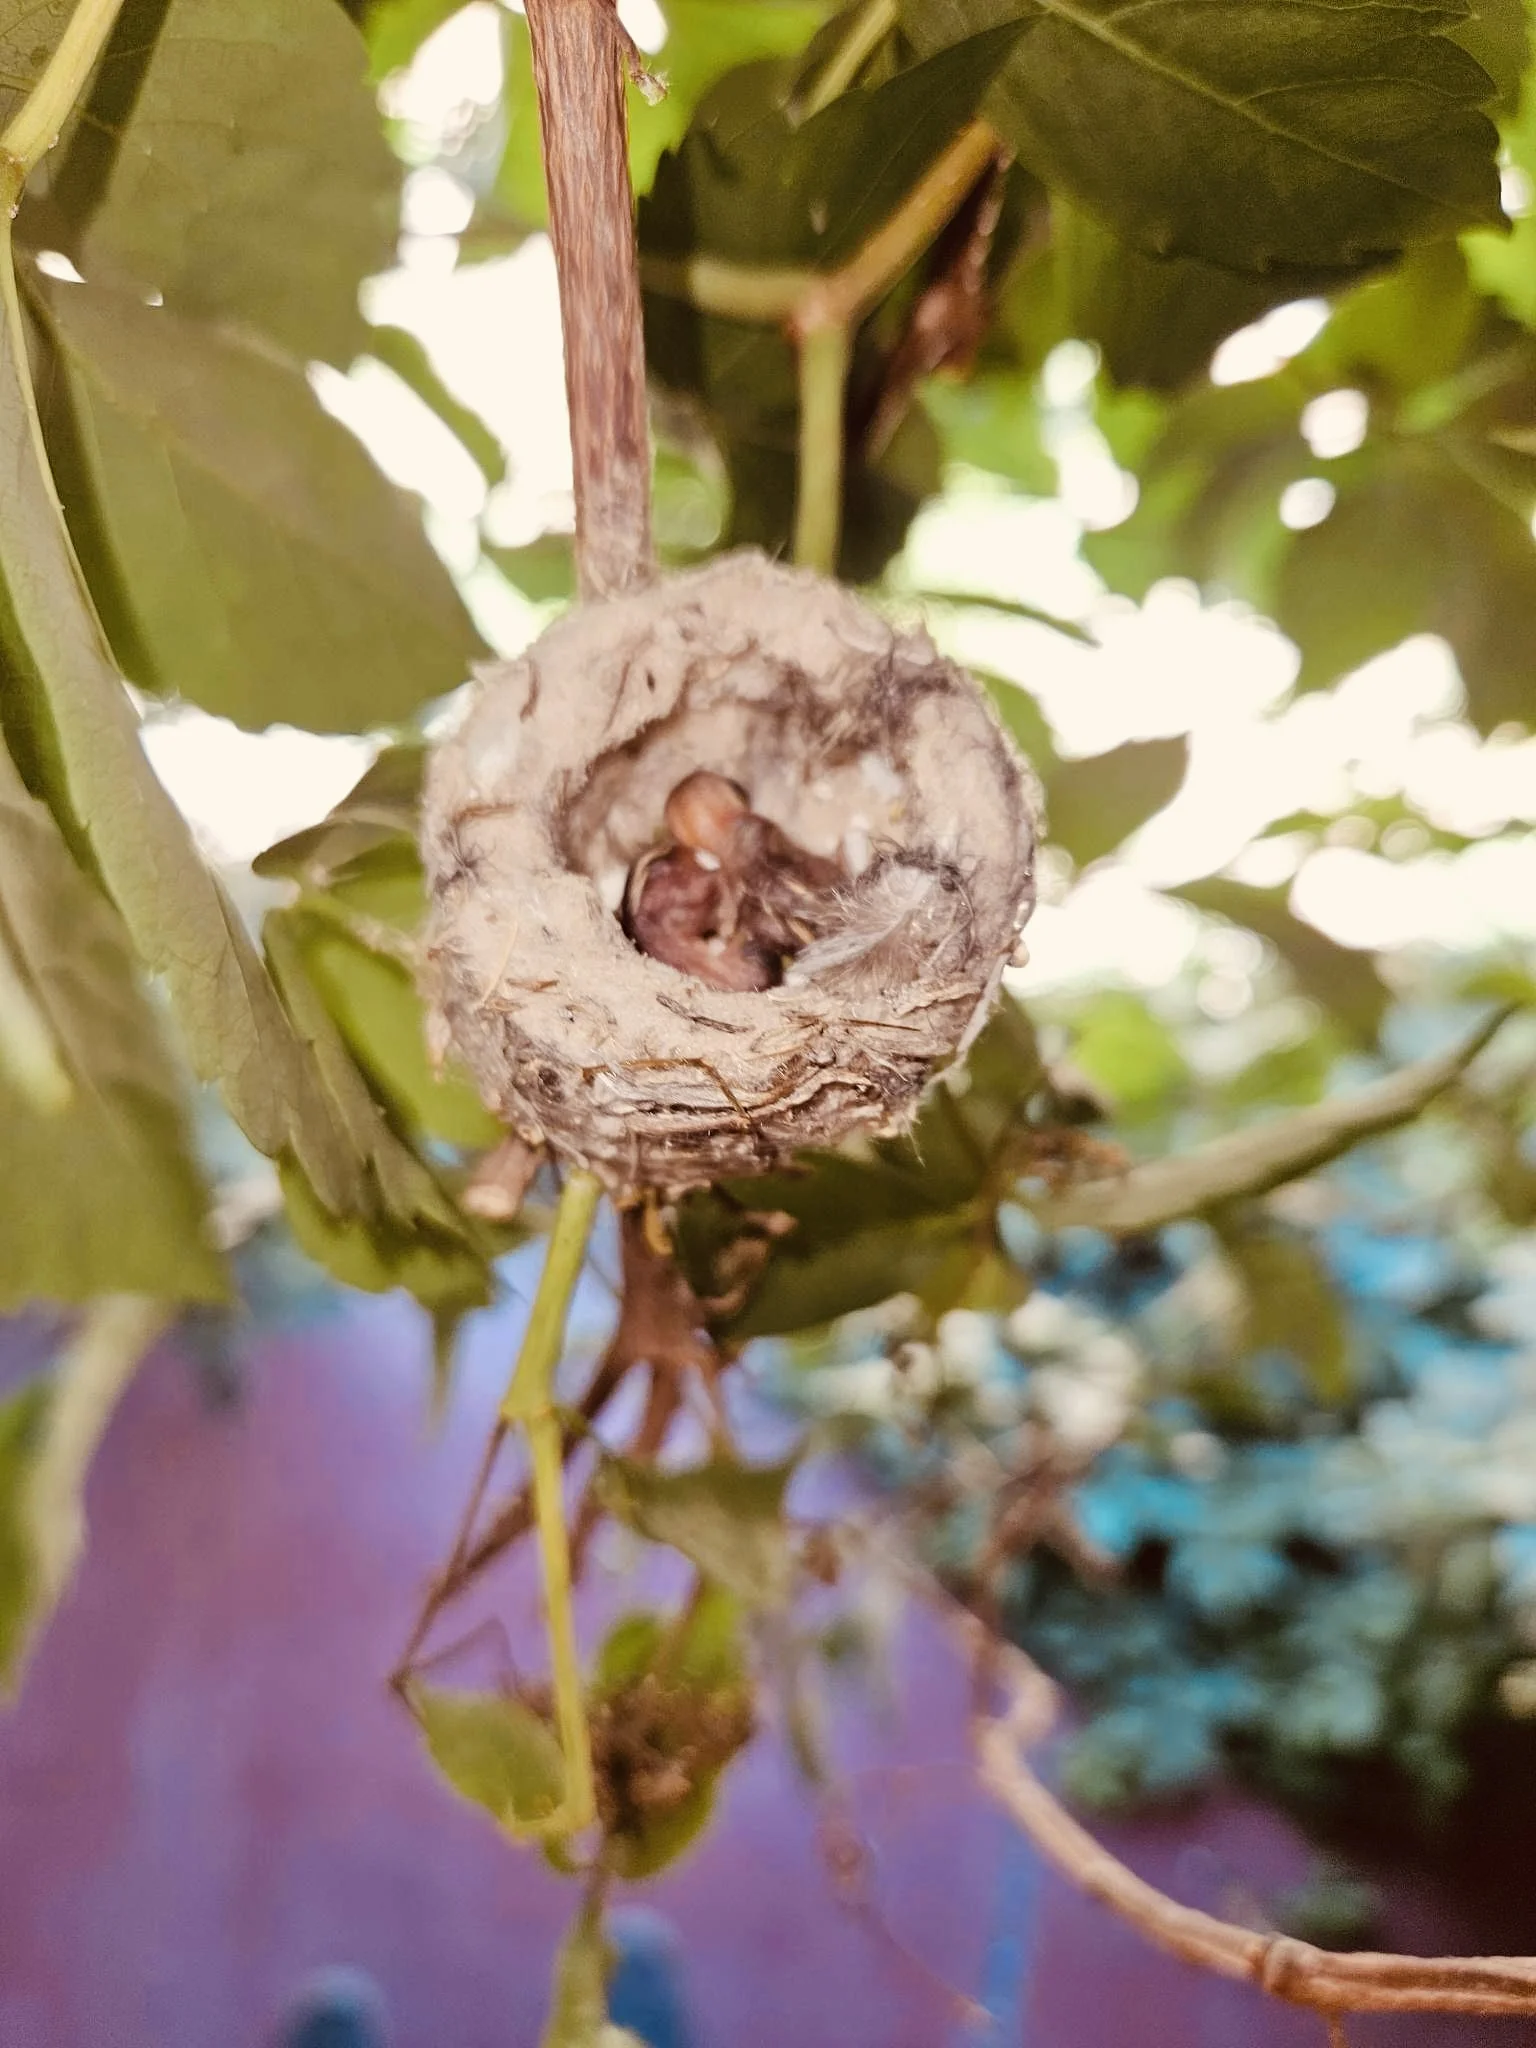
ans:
x=244 y=550
x=913 y=1214
x=229 y=157
x=22 y=1416
x=707 y=1654
x=992 y=422
x=29 y=30
x=1506 y=264
x=1025 y=722
x=751 y=183
x=1261 y=133
x=1094 y=804
x=406 y=1231
x=1252 y=1161
x=495 y=1751
x=74 y=735
x=100 y=1194
x=1159 y=319
x=49 y=1433
x=1416 y=544
x=728 y=1519
x=372 y=996
x=1343 y=980
x=1289 y=1304
x=1498 y=34
x=378 y=813
x=1123 y=1048
x=1211 y=480
x=1412 y=326
x=544 y=570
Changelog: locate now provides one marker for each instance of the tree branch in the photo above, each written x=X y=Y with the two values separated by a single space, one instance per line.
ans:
x=579 y=57
x=1295 y=1971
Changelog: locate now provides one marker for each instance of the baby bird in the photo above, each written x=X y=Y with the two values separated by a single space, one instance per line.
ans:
x=728 y=896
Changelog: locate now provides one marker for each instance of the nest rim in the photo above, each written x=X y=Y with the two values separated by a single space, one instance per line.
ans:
x=623 y=1064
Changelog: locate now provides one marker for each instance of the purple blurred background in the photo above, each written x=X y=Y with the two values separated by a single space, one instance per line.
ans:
x=207 y=1793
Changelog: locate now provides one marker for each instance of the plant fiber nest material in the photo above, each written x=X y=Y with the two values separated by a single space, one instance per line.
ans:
x=857 y=739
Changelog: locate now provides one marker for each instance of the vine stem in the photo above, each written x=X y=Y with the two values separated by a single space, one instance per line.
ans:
x=823 y=374
x=1332 y=1982
x=529 y=1402
x=580 y=55
x=871 y=25
x=43 y=113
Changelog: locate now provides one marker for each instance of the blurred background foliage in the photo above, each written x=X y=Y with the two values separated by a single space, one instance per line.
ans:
x=1206 y=459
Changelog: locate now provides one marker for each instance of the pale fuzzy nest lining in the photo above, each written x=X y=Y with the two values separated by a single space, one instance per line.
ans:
x=858 y=740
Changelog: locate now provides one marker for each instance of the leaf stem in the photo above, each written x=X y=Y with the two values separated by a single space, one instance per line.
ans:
x=871 y=25
x=823 y=366
x=803 y=299
x=46 y=108
x=529 y=1402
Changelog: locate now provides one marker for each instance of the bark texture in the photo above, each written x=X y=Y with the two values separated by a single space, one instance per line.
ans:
x=580 y=54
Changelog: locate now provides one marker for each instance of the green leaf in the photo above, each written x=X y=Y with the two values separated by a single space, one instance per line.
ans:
x=1211 y=480
x=1123 y=1048
x=751 y=184
x=1094 y=804
x=1262 y=133
x=22 y=1416
x=100 y=1194
x=728 y=1519
x=992 y=422
x=1159 y=319
x=405 y=1230
x=1252 y=1161
x=73 y=734
x=493 y=1750
x=1416 y=544
x=1506 y=264
x=49 y=1433
x=29 y=29
x=1498 y=34
x=378 y=813
x=544 y=570
x=1343 y=980
x=373 y=999
x=1289 y=1304
x=913 y=1214
x=245 y=551
x=229 y=156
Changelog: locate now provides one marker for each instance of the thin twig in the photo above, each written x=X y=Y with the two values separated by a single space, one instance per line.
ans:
x=802 y=300
x=871 y=25
x=530 y=1402
x=1328 y=1982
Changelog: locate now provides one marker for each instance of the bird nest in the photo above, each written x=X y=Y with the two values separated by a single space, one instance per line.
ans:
x=813 y=937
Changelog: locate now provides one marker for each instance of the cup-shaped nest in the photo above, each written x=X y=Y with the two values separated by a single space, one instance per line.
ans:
x=856 y=740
